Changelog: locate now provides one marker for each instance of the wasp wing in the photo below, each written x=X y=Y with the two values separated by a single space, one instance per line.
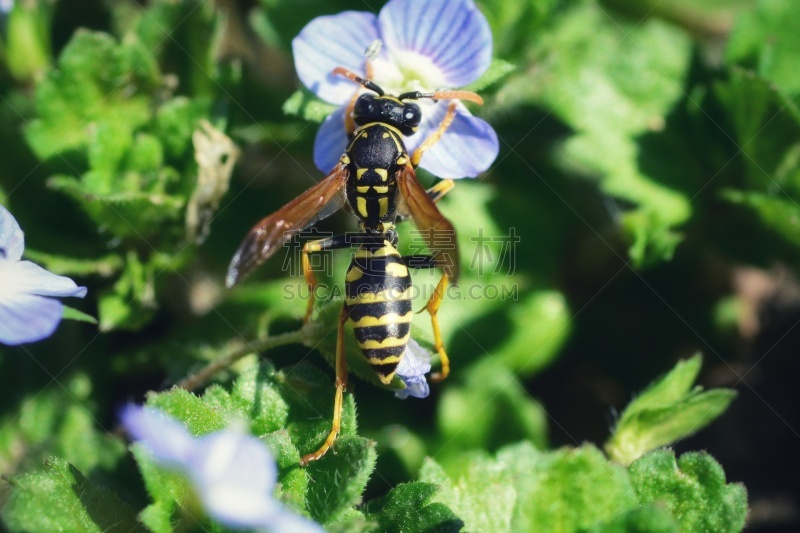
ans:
x=435 y=193
x=438 y=232
x=272 y=232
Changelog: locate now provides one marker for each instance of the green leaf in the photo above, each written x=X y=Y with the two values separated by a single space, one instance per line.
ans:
x=648 y=518
x=192 y=410
x=105 y=266
x=779 y=214
x=668 y=410
x=130 y=303
x=766 y=38
x=497 y=71
x=408 y=508
x=340 y=478
x=62 y=499
x=766 y=126
x=524 y=489
x=70 y=313
x=693 y=489
x=492 y=409
x=256 y=397
x=96 y=81
x=303 y=103
x=611 y=81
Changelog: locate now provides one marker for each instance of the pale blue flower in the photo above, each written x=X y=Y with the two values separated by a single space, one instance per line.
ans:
x=27 y=314
x=233 y=473
x=412 y=369
x=427 y=45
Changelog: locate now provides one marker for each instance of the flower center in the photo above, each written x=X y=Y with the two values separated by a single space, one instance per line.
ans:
x=401 y=71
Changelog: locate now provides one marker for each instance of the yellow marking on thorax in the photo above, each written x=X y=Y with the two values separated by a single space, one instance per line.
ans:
x=361 y=206
x=397 y=270
x=363 y=188
x=364 y=135
x=354 y=274
x=345 y=159
x=391 y=295
x=402 y=160
x=383 y=173
x=360 y=172
x=388 y=342
x=383 y=206
x=381 y=189
x=388 y=318
x=385 y=135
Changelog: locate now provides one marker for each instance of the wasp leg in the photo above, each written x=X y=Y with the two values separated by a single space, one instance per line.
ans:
x=427 y=261
x=436 y=192
x=341 y=384
x=434 y=137
x=331 y=243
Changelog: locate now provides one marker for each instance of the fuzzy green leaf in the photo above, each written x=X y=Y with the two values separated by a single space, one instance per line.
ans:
x=497 y=71
x=648 y=518
x=524 y=489
x=408 y=508
x=70 y=313
x=693 y=489
x=62 y=499
x=668 y=410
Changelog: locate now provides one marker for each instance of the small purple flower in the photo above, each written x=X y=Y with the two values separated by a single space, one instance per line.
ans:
x=427 y=45
x=233 y=473
x=26 y=312
x=412 y=369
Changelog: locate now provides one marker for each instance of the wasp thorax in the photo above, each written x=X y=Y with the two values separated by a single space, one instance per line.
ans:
x=404 y=116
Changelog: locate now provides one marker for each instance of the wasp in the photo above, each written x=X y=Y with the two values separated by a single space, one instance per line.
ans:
x=376 y=180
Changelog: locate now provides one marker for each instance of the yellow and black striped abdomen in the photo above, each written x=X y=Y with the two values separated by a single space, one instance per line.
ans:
x=378 y=299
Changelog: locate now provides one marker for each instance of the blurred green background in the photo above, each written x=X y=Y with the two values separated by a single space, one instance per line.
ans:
x=649 y=165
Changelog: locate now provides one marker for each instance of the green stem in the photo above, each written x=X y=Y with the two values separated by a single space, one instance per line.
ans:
x=199 y=378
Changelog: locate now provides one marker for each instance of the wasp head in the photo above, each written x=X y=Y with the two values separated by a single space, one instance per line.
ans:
x=405 y=116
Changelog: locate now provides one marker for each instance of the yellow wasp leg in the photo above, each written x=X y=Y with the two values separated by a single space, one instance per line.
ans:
x=436 y=192
x=341 y=384
x=434 y=137
x=308 y=273
x=433 y=308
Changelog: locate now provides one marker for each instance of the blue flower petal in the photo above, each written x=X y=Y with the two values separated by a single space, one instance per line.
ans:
x=30 y=278
x=415 y=363
x=468 y=147
x=331 y=141
x=27 y=318
x=454 y=34
x=285 y=520
x=329 y=42
x=12 y=241
x=235 y=476
x=163 y=436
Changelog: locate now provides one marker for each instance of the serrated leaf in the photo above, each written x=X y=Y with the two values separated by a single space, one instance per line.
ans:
x=693 y=489
x=667 y=411
x=62 y=499
x=523 y=489
x=408 y=508
x=199 y=417
x=340 y=478
x=255 y=396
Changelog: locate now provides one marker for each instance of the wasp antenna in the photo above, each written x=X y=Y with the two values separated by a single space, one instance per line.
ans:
x=350 y=75
x=444 y=95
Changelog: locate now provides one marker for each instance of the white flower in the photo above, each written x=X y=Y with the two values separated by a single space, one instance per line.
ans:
x=412 y=369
